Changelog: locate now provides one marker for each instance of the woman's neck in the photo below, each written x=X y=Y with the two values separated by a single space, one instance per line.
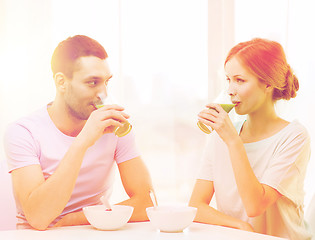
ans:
x=261 y=125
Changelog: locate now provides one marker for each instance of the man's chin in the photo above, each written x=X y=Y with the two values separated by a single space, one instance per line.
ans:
x=82 y=116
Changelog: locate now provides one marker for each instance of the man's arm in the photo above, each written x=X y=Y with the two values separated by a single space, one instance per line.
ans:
x=72 y=219
x=44 y=200
x=137 y=183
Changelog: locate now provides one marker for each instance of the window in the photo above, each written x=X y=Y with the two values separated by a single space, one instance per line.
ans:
x=166 y=58
x=158 y=54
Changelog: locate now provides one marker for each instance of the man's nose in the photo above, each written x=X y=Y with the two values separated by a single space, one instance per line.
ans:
x=103 y=91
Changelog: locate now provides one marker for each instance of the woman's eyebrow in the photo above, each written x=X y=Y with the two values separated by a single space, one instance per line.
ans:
x=235 y=76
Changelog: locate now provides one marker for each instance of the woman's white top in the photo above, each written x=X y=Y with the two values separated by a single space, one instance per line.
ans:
x=280 y=162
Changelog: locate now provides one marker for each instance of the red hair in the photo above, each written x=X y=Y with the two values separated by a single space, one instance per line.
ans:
x=267 y=61
x=68 y=51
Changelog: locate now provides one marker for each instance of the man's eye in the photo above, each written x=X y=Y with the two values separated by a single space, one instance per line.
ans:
x=92 y=83
x=239 y=80
x=227 y=79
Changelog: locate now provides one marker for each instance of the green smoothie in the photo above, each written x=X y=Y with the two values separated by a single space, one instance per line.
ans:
x=226 y=106
x=99 y=106
x=119 y=131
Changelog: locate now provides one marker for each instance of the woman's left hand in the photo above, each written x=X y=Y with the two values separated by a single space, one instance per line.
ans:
x=218 y=119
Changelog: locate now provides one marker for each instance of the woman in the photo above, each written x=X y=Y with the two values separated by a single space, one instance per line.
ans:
x=257 y=167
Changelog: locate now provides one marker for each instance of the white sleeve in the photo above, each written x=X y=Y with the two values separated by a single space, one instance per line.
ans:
x=206 y=169
x=215 y=148
x=287 y=170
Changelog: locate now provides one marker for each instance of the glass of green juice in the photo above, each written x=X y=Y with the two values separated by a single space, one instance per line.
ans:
x=224 y=100
x=108 y=100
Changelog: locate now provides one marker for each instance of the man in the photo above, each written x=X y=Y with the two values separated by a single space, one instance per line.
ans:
x=61 y=157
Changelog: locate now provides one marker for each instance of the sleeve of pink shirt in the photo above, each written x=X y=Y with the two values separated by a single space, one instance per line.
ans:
x=126 y=148
x=20 y=147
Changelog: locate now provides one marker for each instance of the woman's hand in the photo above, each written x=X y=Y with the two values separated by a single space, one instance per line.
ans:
x=245 y=226
x=218 y=119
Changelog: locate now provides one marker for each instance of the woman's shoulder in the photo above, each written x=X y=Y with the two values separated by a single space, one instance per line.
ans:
x=293 y=134
x=295 y=128
x=290 y=131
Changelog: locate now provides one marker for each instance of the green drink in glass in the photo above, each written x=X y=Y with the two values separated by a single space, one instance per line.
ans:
x=227 y=106
x=119 y=131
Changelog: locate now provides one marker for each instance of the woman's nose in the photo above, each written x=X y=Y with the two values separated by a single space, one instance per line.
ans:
x=231 y=90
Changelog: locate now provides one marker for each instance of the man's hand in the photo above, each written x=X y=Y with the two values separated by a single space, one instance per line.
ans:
x=71 y=219
x=102 y=120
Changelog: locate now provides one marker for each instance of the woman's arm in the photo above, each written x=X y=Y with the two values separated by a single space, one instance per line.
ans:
x=201 y=197
x=255 y=196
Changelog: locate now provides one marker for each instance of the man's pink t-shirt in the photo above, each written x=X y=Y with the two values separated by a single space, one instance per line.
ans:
x=36 y=140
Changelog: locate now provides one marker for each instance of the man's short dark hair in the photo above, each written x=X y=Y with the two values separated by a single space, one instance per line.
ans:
x=69 y=50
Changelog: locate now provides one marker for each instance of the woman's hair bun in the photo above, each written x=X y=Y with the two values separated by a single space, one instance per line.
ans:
x=267 y=61
x=290 y=88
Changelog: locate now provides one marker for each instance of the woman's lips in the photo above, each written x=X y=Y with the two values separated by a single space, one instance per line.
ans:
x=236 y=103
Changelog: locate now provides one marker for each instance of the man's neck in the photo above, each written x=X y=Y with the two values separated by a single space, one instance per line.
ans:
x=63 y=120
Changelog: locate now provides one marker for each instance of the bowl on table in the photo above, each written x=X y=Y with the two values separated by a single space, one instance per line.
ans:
x=103 y=219
x=171 y=218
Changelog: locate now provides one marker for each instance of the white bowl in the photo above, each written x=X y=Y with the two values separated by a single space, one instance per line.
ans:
x=171 y=218
x=101 y=219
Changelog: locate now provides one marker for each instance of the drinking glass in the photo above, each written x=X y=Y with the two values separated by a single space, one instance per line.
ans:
x=106 y=99
x=225 y=101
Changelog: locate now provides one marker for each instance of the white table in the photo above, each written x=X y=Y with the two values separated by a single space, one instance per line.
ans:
x=136 y=231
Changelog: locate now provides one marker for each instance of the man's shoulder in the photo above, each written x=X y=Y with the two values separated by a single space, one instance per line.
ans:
x=32 y=121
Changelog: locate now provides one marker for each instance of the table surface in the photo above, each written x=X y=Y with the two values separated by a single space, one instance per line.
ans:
x=137 y=231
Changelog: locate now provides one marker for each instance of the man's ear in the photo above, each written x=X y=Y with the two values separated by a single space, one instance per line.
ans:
x=60 y=81
x=269 y=88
